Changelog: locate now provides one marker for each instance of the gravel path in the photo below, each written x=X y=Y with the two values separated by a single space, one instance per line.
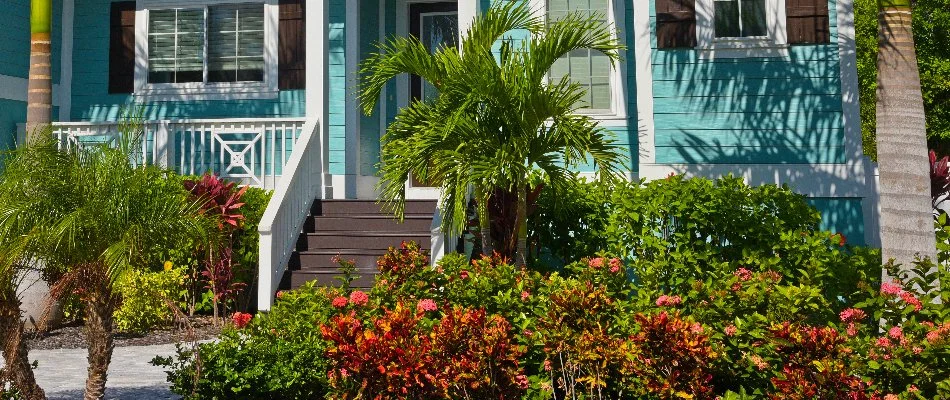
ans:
x=62 y=373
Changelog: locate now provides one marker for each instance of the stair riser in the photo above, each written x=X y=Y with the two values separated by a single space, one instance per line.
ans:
x=369 y=207
x=381 y=243
x=315 y=261
x=350 y=224
x=298 y=278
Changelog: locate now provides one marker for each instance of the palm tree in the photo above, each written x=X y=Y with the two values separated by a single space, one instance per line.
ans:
x=91 y=216
x=907 y=229
x=39 y=109
x=495 y=120
x=14 y=350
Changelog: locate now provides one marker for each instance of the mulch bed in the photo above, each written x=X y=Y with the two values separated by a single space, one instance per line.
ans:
x=73 y=336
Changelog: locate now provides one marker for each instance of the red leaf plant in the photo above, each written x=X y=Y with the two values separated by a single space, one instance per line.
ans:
x=466 y=354
x=675 y=357
x=219 y=198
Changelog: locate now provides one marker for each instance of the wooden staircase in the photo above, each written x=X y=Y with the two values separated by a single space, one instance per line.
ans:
x=357 y=230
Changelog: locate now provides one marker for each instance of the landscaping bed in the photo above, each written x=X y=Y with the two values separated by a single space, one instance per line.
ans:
x=73 y=336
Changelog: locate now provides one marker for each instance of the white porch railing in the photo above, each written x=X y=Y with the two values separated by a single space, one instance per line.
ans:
x=250 y=151
x=285 y=214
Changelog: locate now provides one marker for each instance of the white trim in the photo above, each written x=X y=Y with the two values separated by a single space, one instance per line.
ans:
x=710 y=47
x=616 y=16
x=643 y=51
x=66 y=61
x=14 y=88
x=145 y=91
x=851 y=119
x=814 y=180
x=351 y=165
x=318 y=83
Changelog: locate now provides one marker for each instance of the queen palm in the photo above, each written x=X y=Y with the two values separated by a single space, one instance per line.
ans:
x=40 y=84
x=89 y=216
x=497 y=117
x=906 y=219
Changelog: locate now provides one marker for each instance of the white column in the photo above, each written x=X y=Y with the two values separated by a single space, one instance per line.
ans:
x=318 y=78
x=468 y=10
x=643 y=52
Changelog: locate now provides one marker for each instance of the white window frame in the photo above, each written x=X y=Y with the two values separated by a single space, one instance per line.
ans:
x=617 y=114
x=775 y=44
x=197 y=90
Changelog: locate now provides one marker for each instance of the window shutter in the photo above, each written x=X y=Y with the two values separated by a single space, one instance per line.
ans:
x=122 y=47
x=807 y=21
x=675 y=23
x=291 y=55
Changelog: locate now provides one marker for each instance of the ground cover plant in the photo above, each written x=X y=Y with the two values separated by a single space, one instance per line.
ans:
x=800 y=315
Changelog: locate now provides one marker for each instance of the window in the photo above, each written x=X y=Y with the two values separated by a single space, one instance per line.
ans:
x=740 y=18
x=591 y=69
x=215 y=50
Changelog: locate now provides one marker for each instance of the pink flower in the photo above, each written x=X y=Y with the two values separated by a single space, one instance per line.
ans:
x=280 y=294
x=913 y=389
x=890 y=289
x=359 y=298
x=426 y=305
x=241 y=319
x=917 y=350
x=883 y=342
x=596 y=263
x=730 y=330
x=852 y=315
x=909 y=298
x=852 y=329
x=933 y=336
x=696 y=328
x=743 y=274
x=547 y=365
x=521 y=381
x=895 y=333
x=736 y=287
x=524 y=295
x=340 y=302
x=463 y=274
x=664 y=301
x=344 y=373
x=615 y=265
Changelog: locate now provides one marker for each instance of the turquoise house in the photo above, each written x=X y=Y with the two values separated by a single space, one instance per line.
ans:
x=263 y=91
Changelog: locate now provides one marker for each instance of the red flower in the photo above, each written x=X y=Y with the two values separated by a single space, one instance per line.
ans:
x=615 y=265
x=665 y=300
x=852 y=315
x=596 y=263
x=890 y=289
x=743 y=274
x=241 y=319
x=340 y=302
x=524 y=295
x=359 y=298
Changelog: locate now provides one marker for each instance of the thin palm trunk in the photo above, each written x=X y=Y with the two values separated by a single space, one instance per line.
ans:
x=99 y=311
x=15 y=351
x=484 y=221
x=907 y=229
x=521 y=254
x=40 y=85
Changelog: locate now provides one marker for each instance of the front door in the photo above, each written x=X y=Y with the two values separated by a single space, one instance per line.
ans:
x=436 y=25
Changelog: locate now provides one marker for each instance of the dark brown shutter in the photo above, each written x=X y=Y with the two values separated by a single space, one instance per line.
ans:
x=122 y=47
x=291 y=56
x=807 y=21
x=675 y=23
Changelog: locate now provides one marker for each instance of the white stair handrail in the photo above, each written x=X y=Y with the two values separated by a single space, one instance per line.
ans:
x=287 y=210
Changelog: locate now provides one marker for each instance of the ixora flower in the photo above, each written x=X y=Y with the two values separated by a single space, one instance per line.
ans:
x=241 y=320
x=596 y=263
x=359 y=298
x=890 y=289
x=730 y=330
x=909 y=298
x=852 y=315
x=615 y=265
x=340 y=302
x=525 y=295
x=426 y=305
x=895 y=333
x=743 y=274
x=664 y=301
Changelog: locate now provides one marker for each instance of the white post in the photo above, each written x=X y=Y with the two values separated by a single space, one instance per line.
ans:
x=318 y=80
x=162 y=153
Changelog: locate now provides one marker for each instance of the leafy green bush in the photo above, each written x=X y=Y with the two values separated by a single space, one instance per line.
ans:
x=279 y=355
x=146 y=296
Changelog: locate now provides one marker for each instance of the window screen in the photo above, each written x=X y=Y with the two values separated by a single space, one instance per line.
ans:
x=740 y=18
x=589 y=68
x=176 y=46
x=236 y=43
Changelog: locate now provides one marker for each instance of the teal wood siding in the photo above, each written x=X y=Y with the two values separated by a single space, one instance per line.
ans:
x=842 y=215
x=337 y=100
x=91 y=100
x=369 y=125
x=15 y=39
x=748 y=110
x=11 y=113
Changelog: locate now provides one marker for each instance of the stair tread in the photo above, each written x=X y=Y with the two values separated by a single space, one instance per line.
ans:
x=368 y=233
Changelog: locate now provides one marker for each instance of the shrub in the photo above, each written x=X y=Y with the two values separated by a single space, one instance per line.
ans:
x=146 y=297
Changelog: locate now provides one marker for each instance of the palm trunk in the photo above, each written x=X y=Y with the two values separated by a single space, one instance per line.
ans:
x=907 y=228
x=39 y=109
x=99 y=336
x=15 y=351
x=484 y=222
x=521 y=225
